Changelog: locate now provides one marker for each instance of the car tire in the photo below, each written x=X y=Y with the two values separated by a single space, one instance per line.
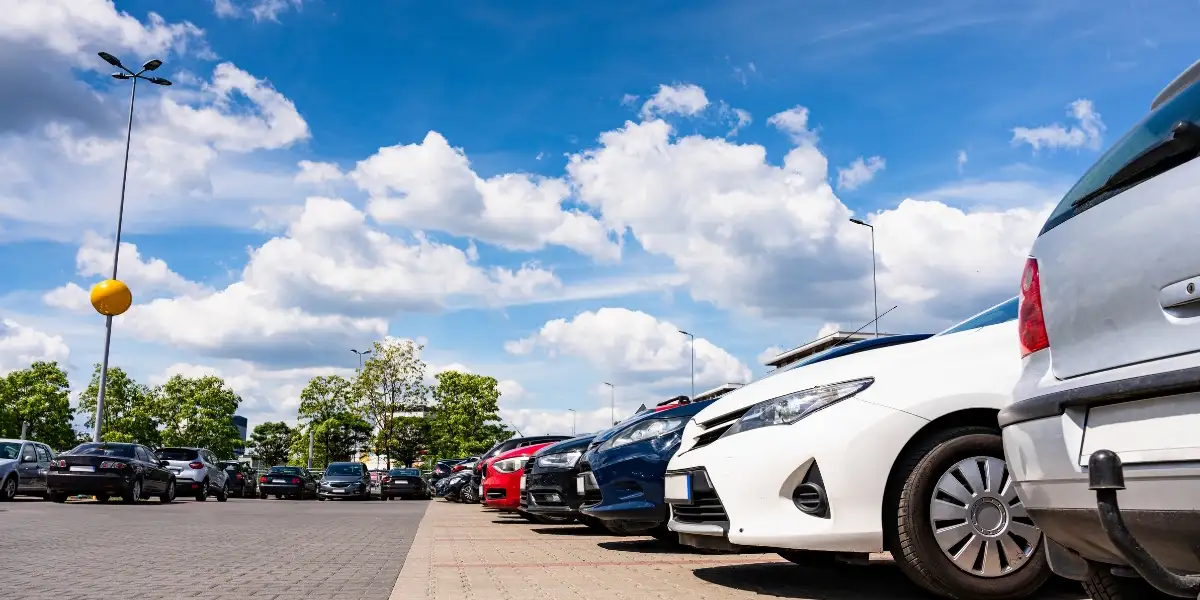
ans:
x=262 y=495
x=938 y=461
x=8 y=491
x=320 y=498
x=202 y=495
x=58 y=497
x=1103 y=585
x=134 y=493
x=168 y=494
x=223 y=494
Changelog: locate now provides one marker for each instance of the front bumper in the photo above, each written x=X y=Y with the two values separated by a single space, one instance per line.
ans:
x=503 y=490
x=1158 y=501
x=88 y=484
x=754 y=474
x=630 y=481
x=551 y=493
x=343 y=492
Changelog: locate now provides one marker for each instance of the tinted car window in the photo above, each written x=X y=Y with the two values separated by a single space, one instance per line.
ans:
x=344 y=470
x=43 y=456
x=140 y=454
x=177 y=454
x=405 y=473
x=1001 y=313
x=9 y=450
x=1156 y=127
x=286 y=470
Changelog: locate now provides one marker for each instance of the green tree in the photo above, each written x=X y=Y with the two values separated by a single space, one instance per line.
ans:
x=326 y=409
x=407 y=436
x=390 y=386
x=466 y=414
x=273 y=442
x=39 y=396
x=129 y=409
x=198 y=411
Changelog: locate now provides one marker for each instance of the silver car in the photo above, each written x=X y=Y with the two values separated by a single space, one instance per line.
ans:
x=197 y=472
x=1103 y=435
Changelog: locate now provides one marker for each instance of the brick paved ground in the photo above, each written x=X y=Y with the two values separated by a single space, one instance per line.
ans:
x=463 y=552
x=244 y=549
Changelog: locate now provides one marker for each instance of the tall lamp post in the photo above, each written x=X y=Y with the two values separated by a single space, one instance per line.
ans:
x=613 y=404
x=360 y=355
x=111 y=297
x=874 y=285
x=692 y=347
x=572 y=420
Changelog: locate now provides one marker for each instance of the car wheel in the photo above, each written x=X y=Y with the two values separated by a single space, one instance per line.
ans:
x=262 y=496
x=134 y=493
x=960 y=530
x=58 y=497
x=9 y=490
x=223 y=494
x=202 y=495
x=168 y=494
x=1103 y=585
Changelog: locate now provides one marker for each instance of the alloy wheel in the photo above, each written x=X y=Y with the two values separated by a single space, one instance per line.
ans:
x=979 y=521
x=10 y=489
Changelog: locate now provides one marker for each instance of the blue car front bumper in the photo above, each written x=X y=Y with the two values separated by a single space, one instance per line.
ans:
x=630 y=479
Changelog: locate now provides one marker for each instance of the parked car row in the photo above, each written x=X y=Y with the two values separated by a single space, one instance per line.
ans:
x=1052 y=433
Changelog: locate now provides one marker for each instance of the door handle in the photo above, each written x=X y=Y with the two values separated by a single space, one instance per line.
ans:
x=1180 y=293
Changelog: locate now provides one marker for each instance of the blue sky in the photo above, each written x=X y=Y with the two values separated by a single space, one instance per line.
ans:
x=613 y=125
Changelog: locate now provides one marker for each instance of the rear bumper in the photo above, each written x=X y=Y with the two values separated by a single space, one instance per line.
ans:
x=279 y=489
x=88 y=483
x=187 y=486
x=395 y=491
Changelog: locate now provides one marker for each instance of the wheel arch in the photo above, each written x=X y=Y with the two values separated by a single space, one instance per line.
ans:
x=978 y=417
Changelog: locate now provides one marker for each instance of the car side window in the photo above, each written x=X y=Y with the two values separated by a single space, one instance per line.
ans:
x=43 y=455
x=1155 y=128
x=28 y=453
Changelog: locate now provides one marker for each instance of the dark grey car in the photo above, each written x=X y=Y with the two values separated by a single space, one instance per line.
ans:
x=345 y=480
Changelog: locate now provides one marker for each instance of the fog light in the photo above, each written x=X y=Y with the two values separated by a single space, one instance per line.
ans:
x=553 y=498
x=810 y=499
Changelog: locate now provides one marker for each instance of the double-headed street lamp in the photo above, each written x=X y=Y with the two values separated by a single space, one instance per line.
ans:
x=360 y=355
x=111 y=297
x=692 y=347
x=613 y=414
x=874 y=285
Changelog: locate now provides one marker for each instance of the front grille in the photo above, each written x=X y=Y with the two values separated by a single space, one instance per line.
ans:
x=714 y=428
x=706 y=506
x=496 y=493
x=547 y=499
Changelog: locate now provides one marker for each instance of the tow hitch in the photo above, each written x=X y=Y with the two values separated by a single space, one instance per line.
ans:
x=1106 y=477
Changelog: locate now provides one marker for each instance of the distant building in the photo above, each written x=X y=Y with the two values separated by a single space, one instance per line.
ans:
x=819 y=345
x=240 y=422
x=716 y=392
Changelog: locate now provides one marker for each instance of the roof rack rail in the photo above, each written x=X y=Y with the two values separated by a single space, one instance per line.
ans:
x=1180 y=83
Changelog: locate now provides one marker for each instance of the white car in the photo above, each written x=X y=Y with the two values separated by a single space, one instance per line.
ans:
x=1108 y=403
x=895 y=449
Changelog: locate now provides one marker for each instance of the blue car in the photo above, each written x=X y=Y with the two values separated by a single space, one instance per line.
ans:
x=621 y=475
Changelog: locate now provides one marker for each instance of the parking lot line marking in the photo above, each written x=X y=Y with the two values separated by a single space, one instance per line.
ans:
x=622 y=563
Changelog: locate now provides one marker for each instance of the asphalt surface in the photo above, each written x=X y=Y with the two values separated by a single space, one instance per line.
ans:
x=260 y=549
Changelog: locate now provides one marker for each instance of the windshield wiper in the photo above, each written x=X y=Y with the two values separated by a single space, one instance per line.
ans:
x=1181 y=146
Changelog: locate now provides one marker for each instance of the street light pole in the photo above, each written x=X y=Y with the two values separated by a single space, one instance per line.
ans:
x=874 y=285
x=103 y=289
x=613 y=414
x=572 y=420
x=360 y=355
x=692 y=347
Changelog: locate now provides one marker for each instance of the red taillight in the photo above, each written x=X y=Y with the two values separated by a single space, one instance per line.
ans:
x=296 y=480
x=262 y=479
x=112 y=464
x=386 y=479
x=239 y=475
x=62 y=463
x=1031 y=324
x=196 y=465
x=456 y=468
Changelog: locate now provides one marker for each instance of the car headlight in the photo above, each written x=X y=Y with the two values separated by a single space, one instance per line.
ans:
x=790 y=408
x=644 y=430
x=562 y=460
x=510 y=465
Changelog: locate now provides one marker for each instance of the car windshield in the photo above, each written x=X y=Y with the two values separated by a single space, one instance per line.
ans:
x=1001 y=313
x=344 y=470
x=285 y=470
x=9 y=450
x=176 y=454
x=404 y=473
x=118 y=450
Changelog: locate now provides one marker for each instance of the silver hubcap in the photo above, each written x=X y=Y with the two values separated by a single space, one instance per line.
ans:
x=10 y=488
x=978 y=520
x=137 y=491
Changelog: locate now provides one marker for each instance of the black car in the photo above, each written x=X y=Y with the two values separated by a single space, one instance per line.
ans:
x=405 y=484
x=444 y=468
x=292 y=482
x=471 y=494
x=345 y=480
x=242 y=481
x=107 y=469
x=548 y=491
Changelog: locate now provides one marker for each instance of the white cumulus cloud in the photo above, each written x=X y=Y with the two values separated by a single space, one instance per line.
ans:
x=1087 y=132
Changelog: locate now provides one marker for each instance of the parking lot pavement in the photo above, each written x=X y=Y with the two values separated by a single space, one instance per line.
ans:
x=259 y=549
x=465 y=552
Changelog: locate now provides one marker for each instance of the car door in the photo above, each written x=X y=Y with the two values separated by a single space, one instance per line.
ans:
x=152 y=479
x=44 y=456
x=27 y=469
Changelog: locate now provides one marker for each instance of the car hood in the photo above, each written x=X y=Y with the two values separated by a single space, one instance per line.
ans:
x=344 y=478
x=6 y=464
x=940 y=365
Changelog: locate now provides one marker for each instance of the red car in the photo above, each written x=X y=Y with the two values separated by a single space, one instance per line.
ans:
x=502 y=477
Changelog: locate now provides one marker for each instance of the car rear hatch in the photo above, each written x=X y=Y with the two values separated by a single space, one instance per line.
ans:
x=177 y=459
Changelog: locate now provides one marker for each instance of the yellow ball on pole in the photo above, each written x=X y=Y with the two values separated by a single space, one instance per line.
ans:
x=111 y=297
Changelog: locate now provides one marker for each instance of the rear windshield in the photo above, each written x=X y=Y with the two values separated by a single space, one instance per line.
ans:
x=176 y=454
x=344 y=470
x=405 y=473
x=1001 y=313
x=1156 y=127
x=229 y=466
x=118 y=450
x=286 y=470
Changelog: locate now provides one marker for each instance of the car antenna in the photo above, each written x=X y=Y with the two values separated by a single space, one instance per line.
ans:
x=847 y=338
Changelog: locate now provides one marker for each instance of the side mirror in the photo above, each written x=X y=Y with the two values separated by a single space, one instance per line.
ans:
x=28 y=459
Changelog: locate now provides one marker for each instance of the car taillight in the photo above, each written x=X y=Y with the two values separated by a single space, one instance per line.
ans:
x=296 y=481
x=112 y=464
x=196 y=465
x=239 y=475
x=262 y=479
x=1031 y=324
x=62 y=463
